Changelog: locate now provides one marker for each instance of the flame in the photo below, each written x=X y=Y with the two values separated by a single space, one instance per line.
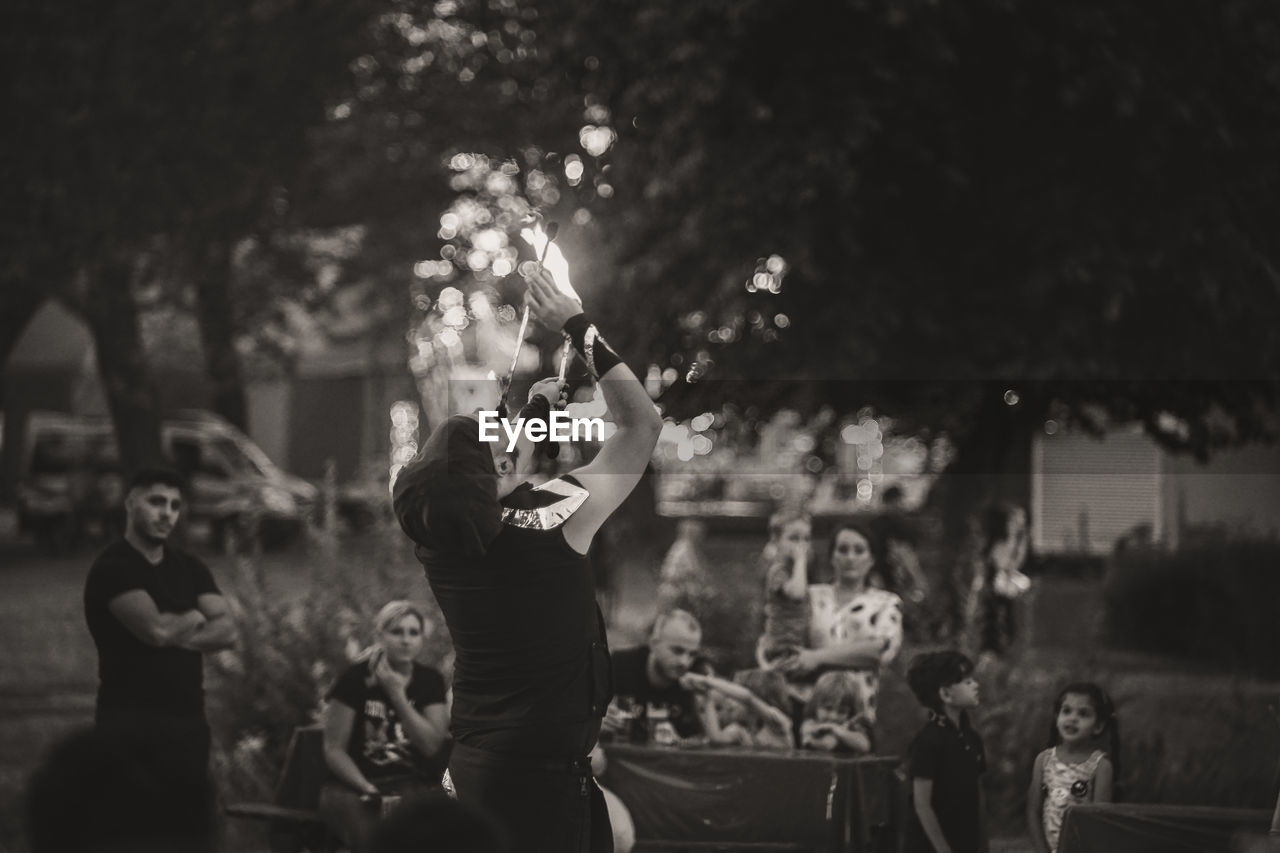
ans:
x=554 y=261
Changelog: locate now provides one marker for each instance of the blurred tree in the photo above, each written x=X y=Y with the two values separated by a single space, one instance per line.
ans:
x=149 y=135
x=926 y=207
x=946 y=204
x=976 y=217
x=916 y=206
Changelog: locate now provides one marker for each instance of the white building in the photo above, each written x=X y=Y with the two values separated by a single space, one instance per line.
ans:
x=1088 y=493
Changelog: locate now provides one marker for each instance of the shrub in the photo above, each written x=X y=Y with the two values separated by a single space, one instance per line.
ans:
x=1213 y=604
x=1184 y=739
x=291 y=647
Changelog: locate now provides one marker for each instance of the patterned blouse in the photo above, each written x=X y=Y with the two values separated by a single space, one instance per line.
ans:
x=1064 y=785
x=873 y=614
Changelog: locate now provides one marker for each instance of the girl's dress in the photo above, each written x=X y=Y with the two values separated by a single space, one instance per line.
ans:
x=1065 y=784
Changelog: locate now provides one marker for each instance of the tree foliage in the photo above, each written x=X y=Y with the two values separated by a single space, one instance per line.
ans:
x=149 y=130
x=912 y=205
x=915 y=205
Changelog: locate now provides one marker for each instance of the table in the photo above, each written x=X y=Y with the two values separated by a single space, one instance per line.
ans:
x=1154 y=828
x=829 y=802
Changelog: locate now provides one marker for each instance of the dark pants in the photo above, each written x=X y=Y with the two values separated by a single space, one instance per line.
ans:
x=171 y=753
x=544 y=805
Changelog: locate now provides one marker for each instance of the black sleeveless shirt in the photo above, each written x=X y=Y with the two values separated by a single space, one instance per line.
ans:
x=533 y=673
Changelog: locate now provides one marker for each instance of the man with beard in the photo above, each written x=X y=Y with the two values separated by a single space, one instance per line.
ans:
x=650 y=681
x=153 y=612
x=508 y=564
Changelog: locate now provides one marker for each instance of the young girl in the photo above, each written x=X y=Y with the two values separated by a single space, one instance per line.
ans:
x=786 y=587
x=835 y=716
x=1072 y=770
x=747 y=711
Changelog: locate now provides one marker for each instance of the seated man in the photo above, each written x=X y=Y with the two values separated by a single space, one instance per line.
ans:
x=650 y=682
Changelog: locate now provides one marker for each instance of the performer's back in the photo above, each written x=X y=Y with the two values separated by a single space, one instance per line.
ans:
x=533 y=670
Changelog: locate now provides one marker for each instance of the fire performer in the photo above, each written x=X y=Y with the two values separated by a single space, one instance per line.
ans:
x=508 y=564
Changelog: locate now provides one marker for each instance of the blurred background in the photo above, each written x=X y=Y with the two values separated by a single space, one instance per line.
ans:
x=887 y=257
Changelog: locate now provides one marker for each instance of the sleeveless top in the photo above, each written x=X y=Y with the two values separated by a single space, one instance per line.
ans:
x=1065 y=784
x=533 y=673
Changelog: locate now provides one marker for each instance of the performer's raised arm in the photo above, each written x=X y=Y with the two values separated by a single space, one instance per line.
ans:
x=611 y=476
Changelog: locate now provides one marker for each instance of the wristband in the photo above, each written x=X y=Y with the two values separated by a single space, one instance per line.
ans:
x=594 y=349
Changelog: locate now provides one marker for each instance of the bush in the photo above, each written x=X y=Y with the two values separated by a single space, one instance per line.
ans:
x=1184 y=739
x=292 y=647
x=1214 y=604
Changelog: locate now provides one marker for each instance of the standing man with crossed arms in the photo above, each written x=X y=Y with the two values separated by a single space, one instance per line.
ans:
x=153 y=612
x=507 y=563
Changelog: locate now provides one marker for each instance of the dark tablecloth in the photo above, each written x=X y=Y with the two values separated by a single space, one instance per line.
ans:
x=829 y=802
x=1149 y=828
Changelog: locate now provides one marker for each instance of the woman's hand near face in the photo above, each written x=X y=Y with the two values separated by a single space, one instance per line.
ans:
x=391 y=681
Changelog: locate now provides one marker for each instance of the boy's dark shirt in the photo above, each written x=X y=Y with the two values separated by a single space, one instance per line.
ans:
x=631 y=682
x=134 y=676
x=954 y=758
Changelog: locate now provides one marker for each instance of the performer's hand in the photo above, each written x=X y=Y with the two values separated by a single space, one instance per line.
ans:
x=549 y=388
x=598 y=760
x=551 y=306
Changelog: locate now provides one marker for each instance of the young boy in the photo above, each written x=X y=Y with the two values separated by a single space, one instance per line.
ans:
x=946 y=759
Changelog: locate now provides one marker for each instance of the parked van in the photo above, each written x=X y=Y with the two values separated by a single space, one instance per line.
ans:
x=71 y=485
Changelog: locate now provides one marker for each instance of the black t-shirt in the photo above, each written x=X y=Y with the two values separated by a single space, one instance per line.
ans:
x=631 y=684
x=378 y=743
x=532 y=669
x=954 y=759
x=134 y=676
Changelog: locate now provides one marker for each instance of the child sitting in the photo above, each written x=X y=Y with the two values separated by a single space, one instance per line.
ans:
x=836 y=718
x=747 y=711
x=786 y=587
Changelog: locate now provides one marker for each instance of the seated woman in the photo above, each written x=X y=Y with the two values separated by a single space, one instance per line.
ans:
x=855 y=621
x=384 y=727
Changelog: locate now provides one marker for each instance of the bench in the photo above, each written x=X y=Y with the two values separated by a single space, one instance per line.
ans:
x=293 y=820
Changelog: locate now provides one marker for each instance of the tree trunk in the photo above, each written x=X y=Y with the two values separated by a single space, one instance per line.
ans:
x=964 y=489
x=18 y=304
x=112 y=316
x=214 y=313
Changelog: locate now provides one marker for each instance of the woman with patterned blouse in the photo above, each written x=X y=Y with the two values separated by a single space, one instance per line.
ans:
x=855 y=622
